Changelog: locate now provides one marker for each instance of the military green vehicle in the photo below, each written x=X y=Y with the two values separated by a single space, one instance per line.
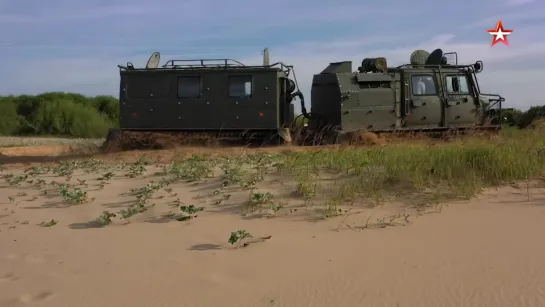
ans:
x=190 y=101
x=204 y=101
x=432 y=93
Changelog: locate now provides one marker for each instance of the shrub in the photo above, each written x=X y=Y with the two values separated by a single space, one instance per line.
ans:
x=528 y=117
x=87 y=123
x=64 y=117
x=58 y=114
x=107 y=106
x=10 y=122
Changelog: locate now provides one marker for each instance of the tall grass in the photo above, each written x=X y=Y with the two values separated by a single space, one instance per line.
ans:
x=455 y=169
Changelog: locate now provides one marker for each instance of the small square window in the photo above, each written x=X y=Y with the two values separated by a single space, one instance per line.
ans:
x=189 y=86
x=423 y=85
x=462 y=84
x=240 y=86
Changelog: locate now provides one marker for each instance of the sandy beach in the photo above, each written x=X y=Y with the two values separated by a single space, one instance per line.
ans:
x=56 y=251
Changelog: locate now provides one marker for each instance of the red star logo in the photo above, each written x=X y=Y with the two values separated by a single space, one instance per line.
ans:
x=499 y=34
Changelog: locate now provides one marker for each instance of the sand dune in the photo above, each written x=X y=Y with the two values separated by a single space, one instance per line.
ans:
x=483 y=252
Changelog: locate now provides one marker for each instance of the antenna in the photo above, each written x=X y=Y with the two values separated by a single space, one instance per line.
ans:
x=153 y=60
x=266 y=55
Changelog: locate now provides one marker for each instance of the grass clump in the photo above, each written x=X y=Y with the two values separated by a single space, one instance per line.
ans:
x=417 y=170
x=236 y=237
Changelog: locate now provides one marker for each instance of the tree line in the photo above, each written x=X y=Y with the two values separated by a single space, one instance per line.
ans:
x=522 y=120
x=58 y=114
x=75 y=115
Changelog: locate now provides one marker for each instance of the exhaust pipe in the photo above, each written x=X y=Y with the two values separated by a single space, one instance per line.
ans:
x=266 y=61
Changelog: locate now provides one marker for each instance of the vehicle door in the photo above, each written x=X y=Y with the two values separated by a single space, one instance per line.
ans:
x=239 y=100
x=424 y=106
x=461 y=106
x=252 y=100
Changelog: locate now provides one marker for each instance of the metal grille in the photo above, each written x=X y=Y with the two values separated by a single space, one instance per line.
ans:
x=452 y=58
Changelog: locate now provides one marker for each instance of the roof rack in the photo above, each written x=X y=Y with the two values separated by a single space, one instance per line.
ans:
x=434 y=66
x=206 y=64
x=202 y=63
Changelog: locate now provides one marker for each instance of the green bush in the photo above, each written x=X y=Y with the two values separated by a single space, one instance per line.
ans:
x=58 y=114
x=514 y=117
x=530 y=116
x=87 y=123
x=10 y=122
x=64 y=117
x=107 y=106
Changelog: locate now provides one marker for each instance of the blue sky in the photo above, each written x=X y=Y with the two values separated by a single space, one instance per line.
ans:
x=61 y=45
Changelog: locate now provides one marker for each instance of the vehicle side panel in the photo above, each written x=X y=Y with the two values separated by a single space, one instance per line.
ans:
x=151 y=100
x=369 y=101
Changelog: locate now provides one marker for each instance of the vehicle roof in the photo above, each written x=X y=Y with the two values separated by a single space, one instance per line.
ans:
x=202 y=69
x=208 y=65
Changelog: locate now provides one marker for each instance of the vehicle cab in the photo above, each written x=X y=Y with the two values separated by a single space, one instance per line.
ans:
x=446 y=94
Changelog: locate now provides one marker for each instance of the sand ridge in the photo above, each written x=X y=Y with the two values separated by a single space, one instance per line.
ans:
x=482 y=252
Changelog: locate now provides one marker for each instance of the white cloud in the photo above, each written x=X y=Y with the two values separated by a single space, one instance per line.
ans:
x=519 y=2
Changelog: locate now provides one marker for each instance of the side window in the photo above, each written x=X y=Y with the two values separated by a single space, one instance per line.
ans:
x=240 y=86
x=423 y=85
x=457 y=87
x=189 y=86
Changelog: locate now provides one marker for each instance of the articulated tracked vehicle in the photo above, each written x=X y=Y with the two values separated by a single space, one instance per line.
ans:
x=207 y=101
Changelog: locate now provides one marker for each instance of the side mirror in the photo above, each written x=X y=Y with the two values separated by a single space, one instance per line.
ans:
x=455 y=84
x=478 y=66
